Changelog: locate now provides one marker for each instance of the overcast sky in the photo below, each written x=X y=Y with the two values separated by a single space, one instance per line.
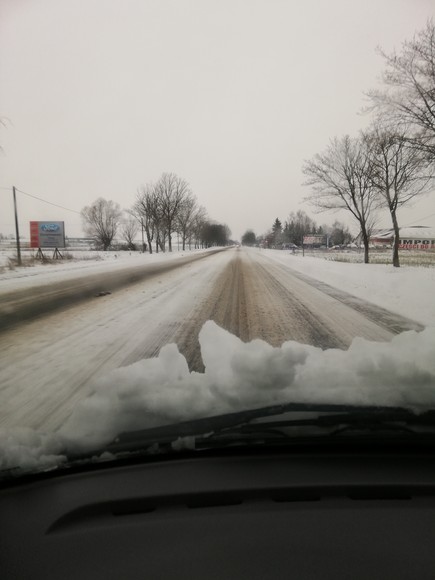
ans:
x=101 y=96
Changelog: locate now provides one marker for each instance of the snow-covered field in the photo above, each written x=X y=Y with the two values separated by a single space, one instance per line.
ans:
x=238 y=375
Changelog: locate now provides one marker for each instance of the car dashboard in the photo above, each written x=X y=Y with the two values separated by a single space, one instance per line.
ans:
x=305 y=513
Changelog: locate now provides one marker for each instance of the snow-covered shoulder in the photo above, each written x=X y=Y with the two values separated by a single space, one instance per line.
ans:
x=408 y=291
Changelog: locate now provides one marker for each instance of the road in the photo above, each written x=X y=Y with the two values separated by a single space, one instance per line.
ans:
x=49 y=363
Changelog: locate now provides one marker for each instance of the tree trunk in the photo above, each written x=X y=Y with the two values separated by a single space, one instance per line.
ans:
x=366 y=246
x=170 y=240
x=143 y=238
x=396 y=262
x=150 y=243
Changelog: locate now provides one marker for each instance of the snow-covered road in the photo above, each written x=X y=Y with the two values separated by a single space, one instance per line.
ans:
x=50 y=363
x=32 y=292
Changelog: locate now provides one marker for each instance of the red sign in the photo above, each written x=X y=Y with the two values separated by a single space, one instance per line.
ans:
x=34 y=234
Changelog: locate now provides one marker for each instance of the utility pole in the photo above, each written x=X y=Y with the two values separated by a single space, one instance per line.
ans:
x=17 y=233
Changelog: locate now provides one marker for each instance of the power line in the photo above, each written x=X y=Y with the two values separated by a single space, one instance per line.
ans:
x=46 y=201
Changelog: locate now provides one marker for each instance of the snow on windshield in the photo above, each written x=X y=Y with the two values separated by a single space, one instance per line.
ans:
x=237 y=376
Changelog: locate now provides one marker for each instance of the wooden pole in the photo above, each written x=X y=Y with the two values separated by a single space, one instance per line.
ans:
x=17 y=233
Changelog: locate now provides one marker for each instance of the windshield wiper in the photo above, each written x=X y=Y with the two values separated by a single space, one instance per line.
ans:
x=250 y=426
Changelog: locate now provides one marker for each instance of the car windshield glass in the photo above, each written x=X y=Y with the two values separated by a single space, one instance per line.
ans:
x=217 y=226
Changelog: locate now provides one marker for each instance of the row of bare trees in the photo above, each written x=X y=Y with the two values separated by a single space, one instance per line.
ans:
x=161 y=209
x=169 y=206
x=393 y=161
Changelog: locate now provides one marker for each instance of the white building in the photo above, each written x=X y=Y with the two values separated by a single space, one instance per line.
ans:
x=411 y=238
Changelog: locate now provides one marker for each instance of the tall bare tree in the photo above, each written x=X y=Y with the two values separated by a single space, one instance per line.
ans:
x=185 y=217
x=341 y=178
x=144 y=210
x=101 y=220
x=172 y=191
x=408 y=96
x=213 y=234
x=400 y=173
x=200 y=218
x=148 y=208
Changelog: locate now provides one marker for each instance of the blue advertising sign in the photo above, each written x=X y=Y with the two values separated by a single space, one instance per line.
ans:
x=47 y=234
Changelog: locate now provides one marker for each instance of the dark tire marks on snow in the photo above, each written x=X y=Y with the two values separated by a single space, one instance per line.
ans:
x=393 y=322
x=256 y=298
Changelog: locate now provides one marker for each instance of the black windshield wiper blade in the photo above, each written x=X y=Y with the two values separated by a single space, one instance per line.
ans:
x=325 y=415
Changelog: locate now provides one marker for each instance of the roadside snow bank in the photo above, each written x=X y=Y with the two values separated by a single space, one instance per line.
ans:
x=99 y=263
x=408 y=290
x=238 y=376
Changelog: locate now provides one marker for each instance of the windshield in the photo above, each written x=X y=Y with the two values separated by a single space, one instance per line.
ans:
x=217 y=226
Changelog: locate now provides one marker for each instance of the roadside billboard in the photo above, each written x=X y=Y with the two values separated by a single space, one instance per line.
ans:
x=416 y=244
x=314 y=240
x=47 y=234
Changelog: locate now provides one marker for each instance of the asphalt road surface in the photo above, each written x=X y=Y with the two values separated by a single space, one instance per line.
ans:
x=53 y=347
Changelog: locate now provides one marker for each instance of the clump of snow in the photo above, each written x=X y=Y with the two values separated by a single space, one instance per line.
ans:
x=237 y=376
x=24 y=448
x=183 y=443
x=242 y=375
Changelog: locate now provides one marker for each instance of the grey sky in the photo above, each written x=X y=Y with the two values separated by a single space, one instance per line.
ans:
x=232 y=95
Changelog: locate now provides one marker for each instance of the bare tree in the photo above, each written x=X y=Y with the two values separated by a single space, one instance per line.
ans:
x=129 y=229
x=101 y=220
x=213 y=234
x=145 y=211
x=172 y=191
x=409 y=94
x=185 y=217
x=199 y=219
x=341 y=178
x=169 y=206
x=400 y=173
x=148 y=209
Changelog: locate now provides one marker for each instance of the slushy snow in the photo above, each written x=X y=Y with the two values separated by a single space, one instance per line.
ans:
x=238 y=376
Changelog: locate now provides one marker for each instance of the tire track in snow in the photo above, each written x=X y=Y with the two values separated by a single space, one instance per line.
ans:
x=256 y=298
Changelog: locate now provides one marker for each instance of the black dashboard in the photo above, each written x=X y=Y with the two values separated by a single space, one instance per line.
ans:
x=284 y=514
